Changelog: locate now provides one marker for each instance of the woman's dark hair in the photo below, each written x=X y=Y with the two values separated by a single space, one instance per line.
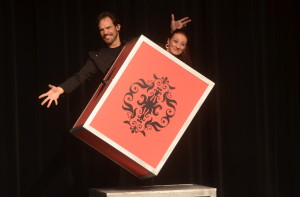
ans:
x=179 y=31
x=113 y=17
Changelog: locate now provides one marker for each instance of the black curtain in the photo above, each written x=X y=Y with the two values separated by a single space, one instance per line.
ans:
x=244 y=139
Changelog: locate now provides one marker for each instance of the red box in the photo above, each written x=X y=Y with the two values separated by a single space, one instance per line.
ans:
x=139 y=115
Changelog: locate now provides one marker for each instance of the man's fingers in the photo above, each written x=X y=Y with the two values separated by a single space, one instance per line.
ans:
x=51 y=96
x=51 y=86
x=172 y=17
x=49 y=103
x=45 y=101
x=42 y=95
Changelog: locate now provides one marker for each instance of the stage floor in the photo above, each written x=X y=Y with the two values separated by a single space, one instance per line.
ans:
x=181 y=190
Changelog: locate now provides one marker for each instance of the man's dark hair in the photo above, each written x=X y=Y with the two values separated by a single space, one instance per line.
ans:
x=113 y=17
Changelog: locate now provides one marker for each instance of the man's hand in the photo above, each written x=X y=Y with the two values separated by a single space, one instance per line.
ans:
x=52 y=95
x=179 y=24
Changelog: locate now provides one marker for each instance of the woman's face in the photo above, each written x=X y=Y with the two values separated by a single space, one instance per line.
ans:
x=177 y=44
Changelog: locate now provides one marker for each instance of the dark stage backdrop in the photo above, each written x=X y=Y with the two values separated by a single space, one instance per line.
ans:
x=244 y=140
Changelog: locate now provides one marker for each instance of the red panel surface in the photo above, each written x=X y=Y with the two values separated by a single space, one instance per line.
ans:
x=110 y=118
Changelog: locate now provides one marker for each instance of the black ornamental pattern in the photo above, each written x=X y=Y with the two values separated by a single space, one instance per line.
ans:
x=149 y=105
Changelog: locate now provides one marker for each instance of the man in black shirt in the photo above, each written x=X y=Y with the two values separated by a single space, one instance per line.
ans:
x=98 y=62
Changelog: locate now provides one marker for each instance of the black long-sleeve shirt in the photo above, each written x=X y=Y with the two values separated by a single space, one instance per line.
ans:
x=97 y=65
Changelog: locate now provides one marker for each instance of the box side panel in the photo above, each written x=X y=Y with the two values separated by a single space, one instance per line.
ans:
x=90 y=106
x=112 y=153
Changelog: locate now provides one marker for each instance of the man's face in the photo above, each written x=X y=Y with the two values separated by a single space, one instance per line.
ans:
x=109 y=32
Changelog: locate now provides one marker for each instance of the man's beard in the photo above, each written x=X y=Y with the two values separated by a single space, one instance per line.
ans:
x=111 y=39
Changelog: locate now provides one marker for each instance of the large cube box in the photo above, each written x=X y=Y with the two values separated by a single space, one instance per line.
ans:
x=143 y=107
